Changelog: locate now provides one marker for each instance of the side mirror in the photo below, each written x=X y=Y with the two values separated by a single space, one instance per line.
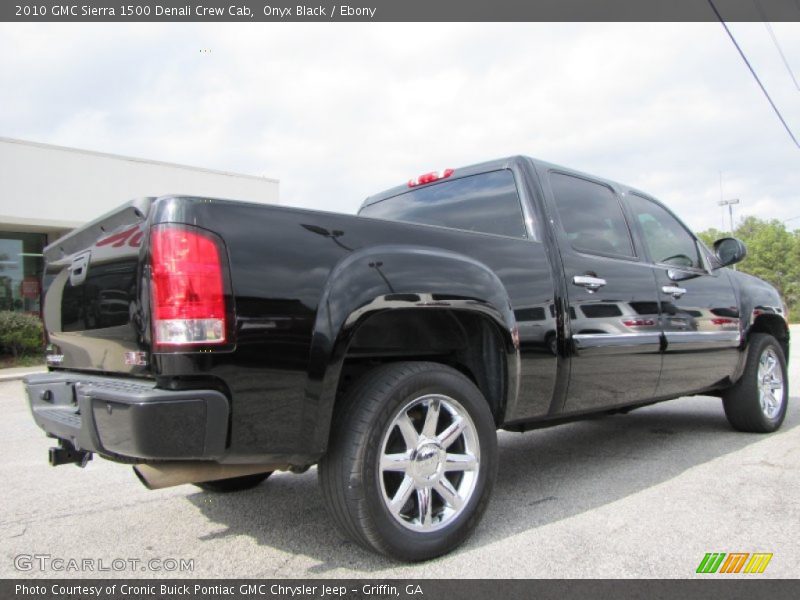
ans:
x=729 y=251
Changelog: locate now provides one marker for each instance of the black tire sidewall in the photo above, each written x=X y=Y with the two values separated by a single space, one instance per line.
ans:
x=396 y=539
x=742 y=405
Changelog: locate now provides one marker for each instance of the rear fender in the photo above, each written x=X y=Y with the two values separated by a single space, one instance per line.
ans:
x=397 y=277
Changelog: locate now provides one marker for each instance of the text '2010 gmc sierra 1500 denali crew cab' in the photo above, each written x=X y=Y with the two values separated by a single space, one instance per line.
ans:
x=214 y=342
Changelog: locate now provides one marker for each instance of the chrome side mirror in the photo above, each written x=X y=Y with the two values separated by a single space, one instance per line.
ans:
x=729 y=251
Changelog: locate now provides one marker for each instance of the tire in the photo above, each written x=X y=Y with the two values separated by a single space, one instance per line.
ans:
x=757 y=402
x=233 y=484
x=384 y=416
x=552 y=343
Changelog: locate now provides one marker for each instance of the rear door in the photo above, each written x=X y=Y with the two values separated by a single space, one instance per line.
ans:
x=699 y=317
x=613 y=302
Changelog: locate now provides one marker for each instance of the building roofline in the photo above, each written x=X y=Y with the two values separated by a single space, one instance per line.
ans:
x=134 y=159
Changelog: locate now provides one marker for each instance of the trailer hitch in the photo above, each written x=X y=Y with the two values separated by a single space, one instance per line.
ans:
x=66 y=454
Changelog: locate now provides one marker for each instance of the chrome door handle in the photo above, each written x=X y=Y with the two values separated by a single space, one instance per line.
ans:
x=592 y=284
x=675 y=291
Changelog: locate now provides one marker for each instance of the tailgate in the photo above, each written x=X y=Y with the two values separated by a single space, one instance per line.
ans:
x=92 y=300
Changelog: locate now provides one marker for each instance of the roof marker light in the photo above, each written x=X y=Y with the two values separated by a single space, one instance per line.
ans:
x=430 y=177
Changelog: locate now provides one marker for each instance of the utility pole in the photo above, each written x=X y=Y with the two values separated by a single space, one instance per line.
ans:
x=729 y=204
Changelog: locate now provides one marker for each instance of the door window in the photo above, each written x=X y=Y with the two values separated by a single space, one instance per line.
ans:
x=667 y=240
x=591 y=216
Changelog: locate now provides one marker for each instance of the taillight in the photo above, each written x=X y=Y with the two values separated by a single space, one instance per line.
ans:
x=722 y=321
x=638 y=322
x=188 y=291
x=430 y=177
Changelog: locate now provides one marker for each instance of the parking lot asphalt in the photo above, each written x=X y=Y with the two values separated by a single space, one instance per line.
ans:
x=645 y=494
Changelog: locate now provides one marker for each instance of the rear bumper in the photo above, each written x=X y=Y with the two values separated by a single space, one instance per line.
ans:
x=129 y=418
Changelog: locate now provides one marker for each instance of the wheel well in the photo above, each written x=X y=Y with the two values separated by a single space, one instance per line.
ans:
x=469 y=342
x=774 y=326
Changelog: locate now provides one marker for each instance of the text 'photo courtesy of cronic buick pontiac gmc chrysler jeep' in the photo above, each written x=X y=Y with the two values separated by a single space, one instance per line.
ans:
x=214 y=342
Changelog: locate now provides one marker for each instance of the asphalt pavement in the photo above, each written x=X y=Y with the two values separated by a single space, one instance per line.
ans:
x=645 y=494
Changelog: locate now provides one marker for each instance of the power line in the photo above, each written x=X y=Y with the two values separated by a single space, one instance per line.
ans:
x=783 y=57
x=753 y=73
x=775 y=41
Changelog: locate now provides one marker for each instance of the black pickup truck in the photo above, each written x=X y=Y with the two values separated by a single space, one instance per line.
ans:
x=213 y=342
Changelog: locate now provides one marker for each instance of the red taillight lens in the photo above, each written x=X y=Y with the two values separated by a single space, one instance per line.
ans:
x=722 y=321
x=430 y=177
x=188 y=294
x=638 y=322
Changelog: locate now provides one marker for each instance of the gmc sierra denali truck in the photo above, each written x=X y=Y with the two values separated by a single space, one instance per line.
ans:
x=214 y=342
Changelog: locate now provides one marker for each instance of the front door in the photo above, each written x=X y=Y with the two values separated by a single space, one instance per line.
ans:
x=613 y=302
x=699 y=315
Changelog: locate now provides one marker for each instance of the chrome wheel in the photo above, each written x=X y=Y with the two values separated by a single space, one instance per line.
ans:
x=770 y=383
x=429 y=462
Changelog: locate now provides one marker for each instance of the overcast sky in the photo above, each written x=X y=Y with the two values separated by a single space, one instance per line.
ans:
x=338 y=111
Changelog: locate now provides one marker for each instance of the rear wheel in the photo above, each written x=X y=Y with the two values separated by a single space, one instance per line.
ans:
x=233 y=484
x=552 y=343
x=758 y=401
x=412 y=460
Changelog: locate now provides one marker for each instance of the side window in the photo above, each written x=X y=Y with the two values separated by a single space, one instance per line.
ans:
x=488 y=203
x=667 y=240
x=601 y=311
x=591 y=216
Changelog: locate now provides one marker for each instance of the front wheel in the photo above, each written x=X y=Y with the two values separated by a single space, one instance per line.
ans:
x=758 y=401
x=412 y=460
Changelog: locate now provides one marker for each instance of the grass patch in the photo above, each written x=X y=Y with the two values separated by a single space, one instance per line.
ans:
x=24 y=360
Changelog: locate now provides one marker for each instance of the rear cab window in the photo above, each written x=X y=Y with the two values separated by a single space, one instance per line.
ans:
x=483 y=203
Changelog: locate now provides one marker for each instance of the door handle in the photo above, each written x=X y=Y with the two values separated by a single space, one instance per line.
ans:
x=592 y=284
x=675 y=291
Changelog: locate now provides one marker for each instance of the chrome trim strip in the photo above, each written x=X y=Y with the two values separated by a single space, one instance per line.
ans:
x=606 y=336
x=687 y=337
x=726 y=335
x=594 y=340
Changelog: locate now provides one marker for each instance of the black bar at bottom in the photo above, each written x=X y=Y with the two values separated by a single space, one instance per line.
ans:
x=714 y=587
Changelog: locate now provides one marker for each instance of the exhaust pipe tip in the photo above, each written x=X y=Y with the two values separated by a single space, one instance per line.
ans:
x=141 y=477
x=157 y=476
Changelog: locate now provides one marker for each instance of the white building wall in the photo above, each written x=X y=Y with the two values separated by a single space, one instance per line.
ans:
x=48 y=188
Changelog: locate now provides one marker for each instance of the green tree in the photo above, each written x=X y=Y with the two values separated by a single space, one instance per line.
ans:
x=709 y=236
x=20 y=333
x=773 y=254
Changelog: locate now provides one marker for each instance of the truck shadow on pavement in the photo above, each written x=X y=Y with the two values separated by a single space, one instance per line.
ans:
x=545 y=476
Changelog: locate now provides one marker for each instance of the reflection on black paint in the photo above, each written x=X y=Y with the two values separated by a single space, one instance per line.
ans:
x=530 y=314
x=102 y=300
x=293 y=262
x=599 y=311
